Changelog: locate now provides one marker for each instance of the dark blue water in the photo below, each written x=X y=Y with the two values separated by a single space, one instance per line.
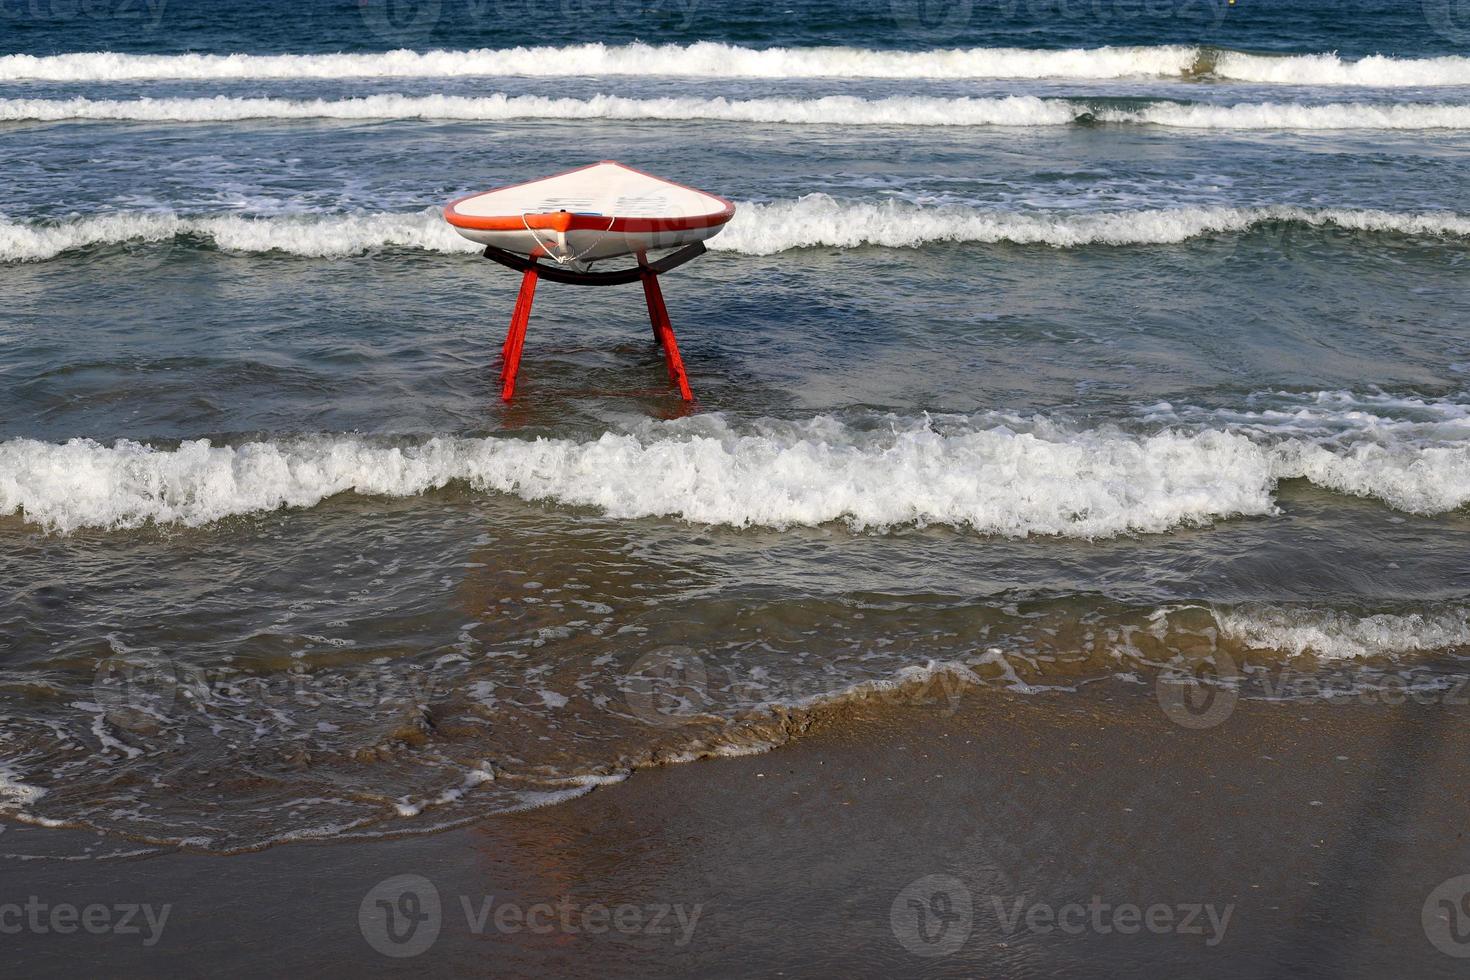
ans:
x=1400 y=28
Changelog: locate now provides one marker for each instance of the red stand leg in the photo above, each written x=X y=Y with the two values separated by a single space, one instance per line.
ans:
x=515 y=339
x=658 y=330
x=657 y=313
x=663 y=332
x=509 y=334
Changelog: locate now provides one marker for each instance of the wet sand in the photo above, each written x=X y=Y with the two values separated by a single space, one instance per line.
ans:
x=1078 y=834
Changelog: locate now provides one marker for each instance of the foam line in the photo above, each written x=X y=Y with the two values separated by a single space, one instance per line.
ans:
x=758 y=228
x=1015 y=478
x=1019 y=111
x=715 y=60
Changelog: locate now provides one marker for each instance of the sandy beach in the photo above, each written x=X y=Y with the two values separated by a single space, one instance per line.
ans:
x=1085 y=835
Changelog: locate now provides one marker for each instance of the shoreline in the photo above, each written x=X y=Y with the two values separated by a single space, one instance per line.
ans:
x=1078 y=833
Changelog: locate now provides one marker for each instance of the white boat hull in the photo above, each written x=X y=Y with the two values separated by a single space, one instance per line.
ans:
x=599 y=212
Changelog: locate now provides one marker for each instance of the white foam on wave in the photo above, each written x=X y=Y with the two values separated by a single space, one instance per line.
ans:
x=1410 y=451
x=703 y=59
x=841 y=109
x=757 y=229
x=820 y=220
x=1018 y=110
x=1332 y=417
x=313 y=236
x=1295 y=116
x=1376 y=71
x=1336 y=635
x=1009 y=477
x=715 y=60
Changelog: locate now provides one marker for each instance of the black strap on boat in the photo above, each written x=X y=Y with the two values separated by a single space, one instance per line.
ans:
x=619 y=277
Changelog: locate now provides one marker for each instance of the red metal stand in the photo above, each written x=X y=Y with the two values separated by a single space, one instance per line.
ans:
x=515 y=338
x=663 y=333
x=645 y=272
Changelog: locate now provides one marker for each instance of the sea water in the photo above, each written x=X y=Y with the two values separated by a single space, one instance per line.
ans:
x=1050 y=343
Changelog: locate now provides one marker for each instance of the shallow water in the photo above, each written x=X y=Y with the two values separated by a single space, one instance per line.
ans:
x=1133 y=368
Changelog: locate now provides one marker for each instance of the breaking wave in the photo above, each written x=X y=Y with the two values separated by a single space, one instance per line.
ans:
x=832 y=110
x=315 y=236
x=1375 y=71
x=704 y=59
x=715 y=60
x=757 y=229
x=819 y=220
x=1012 y=111
x=993 y=474
x=1336 y=635
x=1292 y=116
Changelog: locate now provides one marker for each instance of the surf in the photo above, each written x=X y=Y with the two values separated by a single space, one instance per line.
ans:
x=993 y=474
x=1015 y=111
x=758 y=229
x=708 y=59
